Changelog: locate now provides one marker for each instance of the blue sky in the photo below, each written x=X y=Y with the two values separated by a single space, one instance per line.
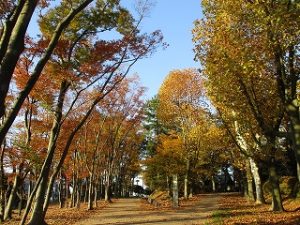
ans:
x=175 y=20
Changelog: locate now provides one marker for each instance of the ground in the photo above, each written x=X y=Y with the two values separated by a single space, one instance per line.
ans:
x=132 y=211
x=207 y=209
x=236 y=210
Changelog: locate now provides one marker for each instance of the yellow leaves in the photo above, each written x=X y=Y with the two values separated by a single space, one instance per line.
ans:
x=179 y=95
x=170 y=153
x=171 y=145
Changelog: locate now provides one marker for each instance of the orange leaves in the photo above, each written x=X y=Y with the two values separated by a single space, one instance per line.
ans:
x=240 y=211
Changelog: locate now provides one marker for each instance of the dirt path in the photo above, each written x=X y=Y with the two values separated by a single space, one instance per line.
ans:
x=129 y=212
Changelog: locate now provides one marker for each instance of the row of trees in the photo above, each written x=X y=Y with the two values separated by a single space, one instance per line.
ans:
x=249 y=55
x=67 y=111
x=183 y=144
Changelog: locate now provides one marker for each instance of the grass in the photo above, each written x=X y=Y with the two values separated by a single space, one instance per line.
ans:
x=216 y=218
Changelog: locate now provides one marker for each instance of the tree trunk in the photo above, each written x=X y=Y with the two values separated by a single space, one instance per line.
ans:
x=168 y=185
x=73 y=194
x=175 y=201
x=49 y=193
x=14 y=48
x=66 y=193
x=90 y=195
x=86 y=190
x=274 y=181
x=101 y=186
x=186 y=179
x=78 y=195
x=60 y=194
x=29 y=189
x=107 y=197
x=250 y=192
x=213 y=183
x=257 y=181
x=12 y=197
x=298 y=171
x=38 y=214
x=2 y=191
x=8 y=26
x=95 y=196
x=293 y=112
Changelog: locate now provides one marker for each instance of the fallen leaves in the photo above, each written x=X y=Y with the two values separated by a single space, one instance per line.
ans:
x=237 y=210
x=64 y=216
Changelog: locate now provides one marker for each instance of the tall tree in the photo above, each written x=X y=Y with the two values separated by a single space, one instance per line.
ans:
x=180 y=103
x=234 y=45
x=12 y=44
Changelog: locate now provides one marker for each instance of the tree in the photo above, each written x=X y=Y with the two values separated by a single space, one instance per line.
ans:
x=235 y=61
x=180 y=103
x=152 y=127
x=80 y=62
x=12 y=45
x=124 y=114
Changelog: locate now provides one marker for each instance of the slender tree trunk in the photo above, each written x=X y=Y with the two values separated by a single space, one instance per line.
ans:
x=66 y=199
x=101 y=186
x=244 y=148
x=12 y=197
x=213 y=183
x=86 y=190
x=168 y=185
x=20 y=204
x=90 y=196
x=107 y=193
x=274 y=181
x=8 y=27
x=250 y=191
x=293 y=112
x=73 y=194
x=95 y=195
x=60 y=194
x=298 y=171
x=2 y=190
x=107 y=197
x=175 y=200
x=81 y=190
x=244 y=189
x=186 y=179
x=78 y=194
x=257 y=181
x=38 y=214
x=14 y=48
x=29 y=188
x=49 y=193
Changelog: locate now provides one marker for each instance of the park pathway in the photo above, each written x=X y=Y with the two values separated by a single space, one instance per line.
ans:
x=130 y=212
